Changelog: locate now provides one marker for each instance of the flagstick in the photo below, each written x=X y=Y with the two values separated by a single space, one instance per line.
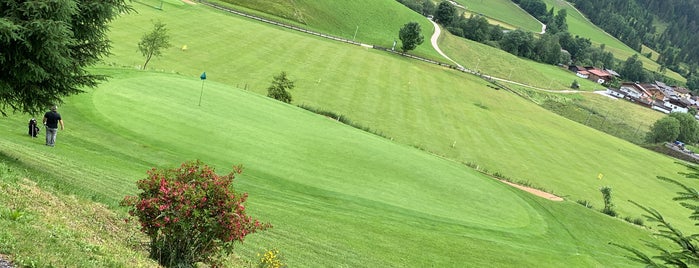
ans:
x=202 y=91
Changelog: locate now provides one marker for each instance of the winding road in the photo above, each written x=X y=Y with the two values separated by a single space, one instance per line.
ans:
x=435 y=38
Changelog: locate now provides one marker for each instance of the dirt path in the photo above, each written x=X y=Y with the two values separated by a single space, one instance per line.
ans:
x=189 y=2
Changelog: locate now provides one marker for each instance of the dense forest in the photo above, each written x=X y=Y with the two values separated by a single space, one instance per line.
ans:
x=669 y=27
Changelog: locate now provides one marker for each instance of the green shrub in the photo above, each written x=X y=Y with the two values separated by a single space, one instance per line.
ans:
x=191 y=214
x=585 y=203
x=608 y=205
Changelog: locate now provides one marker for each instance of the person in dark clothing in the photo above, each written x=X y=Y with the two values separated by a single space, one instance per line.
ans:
x=51 y=120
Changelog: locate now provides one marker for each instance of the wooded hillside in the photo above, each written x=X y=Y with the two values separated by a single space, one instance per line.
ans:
x=667 y=26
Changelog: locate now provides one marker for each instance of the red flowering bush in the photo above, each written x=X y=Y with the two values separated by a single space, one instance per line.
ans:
x=191 y=214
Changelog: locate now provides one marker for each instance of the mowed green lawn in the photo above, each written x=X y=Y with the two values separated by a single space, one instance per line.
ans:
x=419 y=104
x=337 y=196
x=365 y=21
x=503 y=10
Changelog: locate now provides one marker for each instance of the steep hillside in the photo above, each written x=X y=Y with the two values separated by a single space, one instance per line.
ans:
x=669 y=27
x=419 y=104
x=336 y=195
x=363 y=20
x=580 y=25
x=503 y=10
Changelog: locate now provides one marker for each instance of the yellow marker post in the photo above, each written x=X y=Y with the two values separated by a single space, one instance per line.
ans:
x=600 y=176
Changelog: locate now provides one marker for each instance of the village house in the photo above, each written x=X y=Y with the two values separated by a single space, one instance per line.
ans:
x=580 y=71
x=636 y=91
x=600 y=76
x=631 y=92
x=682 y=92
x=653 y=90
x=676 y=106
x=595 y=74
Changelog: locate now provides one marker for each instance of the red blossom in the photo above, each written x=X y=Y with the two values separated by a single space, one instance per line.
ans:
x=189 y=201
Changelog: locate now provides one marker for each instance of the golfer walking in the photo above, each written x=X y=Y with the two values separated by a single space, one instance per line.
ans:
x=51 y=120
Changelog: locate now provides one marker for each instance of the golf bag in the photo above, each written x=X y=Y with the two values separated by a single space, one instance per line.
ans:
x=33 y=128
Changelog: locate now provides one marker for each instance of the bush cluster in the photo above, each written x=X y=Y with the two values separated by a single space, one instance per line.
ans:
x=191 y=214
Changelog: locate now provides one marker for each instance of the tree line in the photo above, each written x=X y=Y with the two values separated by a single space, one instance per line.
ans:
x=634 y=22
x=556 y=46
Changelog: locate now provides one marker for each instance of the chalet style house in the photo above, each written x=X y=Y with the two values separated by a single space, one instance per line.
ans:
x=594 y=74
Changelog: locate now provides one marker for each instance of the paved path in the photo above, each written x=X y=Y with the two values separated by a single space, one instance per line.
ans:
x=435 y=37
x=435 y=45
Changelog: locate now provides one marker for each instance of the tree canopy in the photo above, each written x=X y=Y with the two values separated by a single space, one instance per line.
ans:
x=637 y=22
x=153 y=43
x=410 y=36
x=632 y=69
x=665 y=129
x=446 y=13
x=689 y=127
x=45 y=47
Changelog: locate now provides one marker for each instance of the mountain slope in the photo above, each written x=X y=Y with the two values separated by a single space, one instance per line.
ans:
x=423 y=105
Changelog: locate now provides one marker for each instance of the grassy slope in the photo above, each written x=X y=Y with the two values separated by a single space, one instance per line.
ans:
x=74 y=232
x=497 y=124
x=498 y=63
x=503 y=10
x=337 y=195
x=579 y=25
x=631 y=113
x=343 y=18
x=414 y=103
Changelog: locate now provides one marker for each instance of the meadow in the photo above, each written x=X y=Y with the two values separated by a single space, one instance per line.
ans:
x=363 y=20
x=339 y=196
x=505 y=11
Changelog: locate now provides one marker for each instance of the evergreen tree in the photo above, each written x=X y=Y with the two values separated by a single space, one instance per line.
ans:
x=279 y=90
x=693 y=83
x=684 y=251
x=45 y=48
